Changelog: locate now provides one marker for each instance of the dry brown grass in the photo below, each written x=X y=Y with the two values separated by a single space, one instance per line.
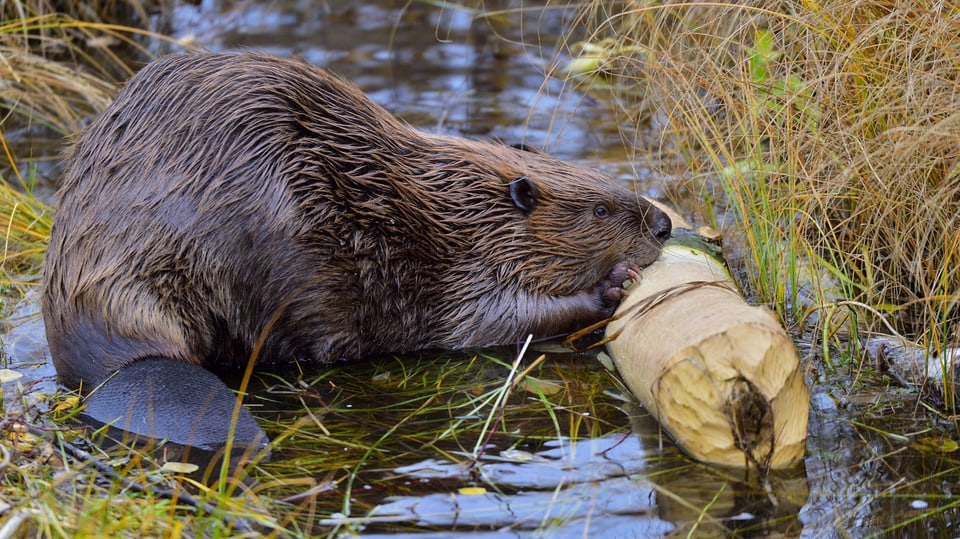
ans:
x=26 y=227
x=56 y=71
x=814 y=133
x=59 y=71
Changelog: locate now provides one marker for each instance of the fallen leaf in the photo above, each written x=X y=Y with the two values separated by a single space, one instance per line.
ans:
x=179 y=467
x=538 y=386
x=8 y=375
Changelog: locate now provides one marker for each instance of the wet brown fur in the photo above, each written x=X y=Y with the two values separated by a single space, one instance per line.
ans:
x=220 y=190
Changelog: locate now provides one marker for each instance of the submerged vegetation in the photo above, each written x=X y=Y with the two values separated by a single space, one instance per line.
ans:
x=822 y=137
x=343 y=438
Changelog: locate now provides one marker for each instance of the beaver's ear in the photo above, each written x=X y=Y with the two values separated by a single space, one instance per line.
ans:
x=524 y=194
x=527 y=148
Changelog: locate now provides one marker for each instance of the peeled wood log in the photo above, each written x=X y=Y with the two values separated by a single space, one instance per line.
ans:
x=936 y=374
x=722 y=377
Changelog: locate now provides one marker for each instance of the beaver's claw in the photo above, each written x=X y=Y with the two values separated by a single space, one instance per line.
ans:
x=610 y=290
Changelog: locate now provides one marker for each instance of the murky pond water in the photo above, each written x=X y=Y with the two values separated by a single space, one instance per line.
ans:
x=580 y=459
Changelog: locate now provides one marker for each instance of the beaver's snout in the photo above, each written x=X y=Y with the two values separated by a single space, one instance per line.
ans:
x=662 y=226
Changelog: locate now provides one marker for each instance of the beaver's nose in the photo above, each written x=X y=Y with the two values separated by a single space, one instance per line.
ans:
x=662 y=226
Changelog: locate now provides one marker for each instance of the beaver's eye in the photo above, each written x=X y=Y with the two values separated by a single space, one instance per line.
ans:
x=601 y=211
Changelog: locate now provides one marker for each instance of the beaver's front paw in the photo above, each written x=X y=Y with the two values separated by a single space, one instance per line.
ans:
x=610 y=290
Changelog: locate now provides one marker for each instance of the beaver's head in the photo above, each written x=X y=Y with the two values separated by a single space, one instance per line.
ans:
x=563 y=227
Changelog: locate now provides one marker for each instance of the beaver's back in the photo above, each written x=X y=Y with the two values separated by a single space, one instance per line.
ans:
x=222 y=197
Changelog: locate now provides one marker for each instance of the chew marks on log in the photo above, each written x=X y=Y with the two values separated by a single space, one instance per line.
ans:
x=721 y=376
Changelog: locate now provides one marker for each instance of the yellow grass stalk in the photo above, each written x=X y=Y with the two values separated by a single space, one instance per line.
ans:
x=816 y=134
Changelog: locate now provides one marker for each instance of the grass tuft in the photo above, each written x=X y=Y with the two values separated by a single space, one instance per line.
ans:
x=822 y=137
x=57 y=72
x=26 y=225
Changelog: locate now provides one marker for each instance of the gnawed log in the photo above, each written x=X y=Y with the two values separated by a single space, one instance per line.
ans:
x=721 y=376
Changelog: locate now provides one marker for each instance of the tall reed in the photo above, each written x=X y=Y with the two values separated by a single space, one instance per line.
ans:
x=56 y=71
x=823 y=137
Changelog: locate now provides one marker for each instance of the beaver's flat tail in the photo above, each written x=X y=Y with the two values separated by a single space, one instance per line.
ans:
x=162 y=399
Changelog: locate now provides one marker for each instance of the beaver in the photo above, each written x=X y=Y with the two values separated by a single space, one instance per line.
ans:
x=227 y=205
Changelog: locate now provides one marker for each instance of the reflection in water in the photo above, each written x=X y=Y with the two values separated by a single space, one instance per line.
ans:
x=24 y=348
x=597 y=488
x=440 y=69
x=577 y=488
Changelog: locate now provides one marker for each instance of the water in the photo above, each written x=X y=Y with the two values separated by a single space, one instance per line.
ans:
x=443 y=70
x=440 y=69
